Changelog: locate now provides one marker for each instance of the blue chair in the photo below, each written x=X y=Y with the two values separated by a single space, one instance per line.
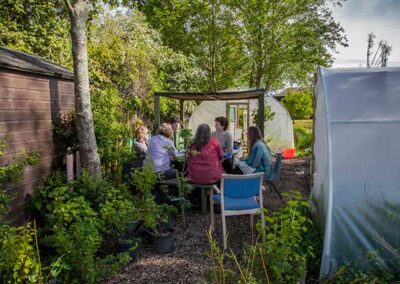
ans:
x=239 y=195
x=275 y=176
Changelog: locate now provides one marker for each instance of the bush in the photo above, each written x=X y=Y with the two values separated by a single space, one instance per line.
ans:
x=82 y=220
x=303 y=141
x=290 y=245
x=299 y=103
x=18 y=256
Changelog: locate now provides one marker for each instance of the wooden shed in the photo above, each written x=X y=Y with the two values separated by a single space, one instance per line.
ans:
x=33 y=91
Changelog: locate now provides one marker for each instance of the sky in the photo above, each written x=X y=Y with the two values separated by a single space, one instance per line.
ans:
x=361 y=17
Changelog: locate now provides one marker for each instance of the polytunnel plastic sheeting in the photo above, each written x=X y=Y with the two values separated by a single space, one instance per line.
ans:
x=356 y=193
x=279 y=130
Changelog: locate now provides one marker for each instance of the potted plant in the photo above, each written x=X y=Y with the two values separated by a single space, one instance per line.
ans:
x=163 y=233
x=134 y=246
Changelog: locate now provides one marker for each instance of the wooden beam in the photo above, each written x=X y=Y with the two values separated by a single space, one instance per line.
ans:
x=261 y=117
x=157 y=119
x=182 y=110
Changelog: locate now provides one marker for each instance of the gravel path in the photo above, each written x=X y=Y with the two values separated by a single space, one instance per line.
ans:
x=189 y=262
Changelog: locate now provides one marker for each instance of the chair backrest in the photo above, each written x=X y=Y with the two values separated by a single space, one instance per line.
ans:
x=241 y=186
x=276 y=171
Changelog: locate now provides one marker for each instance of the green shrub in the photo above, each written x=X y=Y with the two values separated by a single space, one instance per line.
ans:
x=18 y=257
x=354 y=272
x=82 y=220
x=303 y=141
x=290 y=245
x=299 y=103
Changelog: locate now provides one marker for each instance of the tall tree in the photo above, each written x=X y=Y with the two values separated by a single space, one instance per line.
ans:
x=79 y=14
x=381 y=54
x=206 y=29
x=287 y=39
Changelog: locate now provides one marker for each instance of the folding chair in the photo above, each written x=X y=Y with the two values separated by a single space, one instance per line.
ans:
x=275 y=176
x=239 y=195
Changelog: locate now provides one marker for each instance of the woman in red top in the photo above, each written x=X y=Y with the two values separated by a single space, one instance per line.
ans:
x=205 y=155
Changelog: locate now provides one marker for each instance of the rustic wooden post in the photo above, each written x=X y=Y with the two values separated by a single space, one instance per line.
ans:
x=70 y=164
x=157 y=113
x=77 y=164
x=261 y=107
x=181 y=110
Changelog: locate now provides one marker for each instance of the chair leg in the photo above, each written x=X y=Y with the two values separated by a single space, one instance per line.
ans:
x=224 y=230
x=203 y=201
x=212 y=210
x=277 y=191
x=251 y=221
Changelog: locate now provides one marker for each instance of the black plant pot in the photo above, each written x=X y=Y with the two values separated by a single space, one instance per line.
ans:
x=132 y=230
x=165 y=243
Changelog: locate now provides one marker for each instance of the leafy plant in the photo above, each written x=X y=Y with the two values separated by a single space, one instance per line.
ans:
x=354 y=272
x=289 y=244
x=64 y=128
x=187 y=137
x=299 y=103
x=268 y=114
x=12 y=171
x=303 y=141
x=83 y=221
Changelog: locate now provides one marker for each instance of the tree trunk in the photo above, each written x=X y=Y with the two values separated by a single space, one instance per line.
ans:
x=78 y=13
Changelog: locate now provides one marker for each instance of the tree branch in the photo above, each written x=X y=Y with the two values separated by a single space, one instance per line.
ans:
x=69 y=6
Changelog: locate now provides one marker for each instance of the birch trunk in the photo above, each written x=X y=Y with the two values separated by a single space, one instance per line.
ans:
x=78 y=13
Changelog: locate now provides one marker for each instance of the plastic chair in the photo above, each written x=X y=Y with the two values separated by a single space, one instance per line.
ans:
x=275 y=176
x=239 y=195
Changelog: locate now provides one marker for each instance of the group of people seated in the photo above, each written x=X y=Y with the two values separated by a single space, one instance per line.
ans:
x=208 y=156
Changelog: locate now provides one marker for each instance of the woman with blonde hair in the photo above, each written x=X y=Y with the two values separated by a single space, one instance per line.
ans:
x=141 y=143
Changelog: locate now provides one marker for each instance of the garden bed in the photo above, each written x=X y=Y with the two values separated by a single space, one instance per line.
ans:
x=189 y=262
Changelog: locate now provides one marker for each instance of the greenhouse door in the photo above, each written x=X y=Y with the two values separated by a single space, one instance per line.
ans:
x=238 y=116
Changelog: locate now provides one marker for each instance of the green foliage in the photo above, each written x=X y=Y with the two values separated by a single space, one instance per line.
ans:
x=184 y=190
x=204 y=29
x=12 y=171
x=187 y=137
x=18 y=257
x=78 y=218
x=299 y=103
x=290 y=244
x=112 y=131
x=354 y=272
x=258 y=43
x=64 y=128
x=268 y=114
x=128 y=58
x=38 y=27
x=144 y=180
x=287 y=247
x=303 y=141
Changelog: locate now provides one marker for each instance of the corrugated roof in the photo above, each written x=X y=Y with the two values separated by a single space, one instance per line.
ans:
x=21 y=61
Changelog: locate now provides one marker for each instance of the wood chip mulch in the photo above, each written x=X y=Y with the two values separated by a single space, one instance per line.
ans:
x=189 y=262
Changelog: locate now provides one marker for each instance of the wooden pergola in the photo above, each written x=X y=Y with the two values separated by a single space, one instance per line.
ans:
x=216 y=96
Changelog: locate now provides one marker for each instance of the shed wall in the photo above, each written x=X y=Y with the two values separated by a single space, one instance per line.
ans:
x=28 y=105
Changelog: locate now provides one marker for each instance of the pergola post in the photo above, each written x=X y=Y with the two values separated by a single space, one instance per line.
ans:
x=181 y=110
x=157 y=118
x=261 y=117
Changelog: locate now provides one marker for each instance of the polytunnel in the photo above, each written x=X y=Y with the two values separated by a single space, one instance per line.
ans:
x=355 y=198
x=278 y=131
